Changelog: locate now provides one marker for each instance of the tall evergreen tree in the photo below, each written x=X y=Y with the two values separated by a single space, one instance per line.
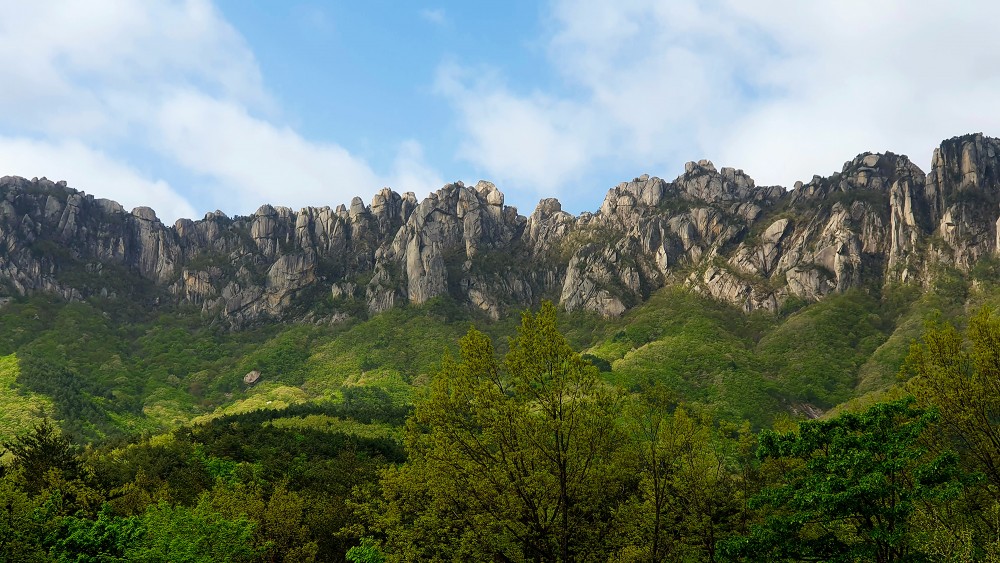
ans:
x=41 y=451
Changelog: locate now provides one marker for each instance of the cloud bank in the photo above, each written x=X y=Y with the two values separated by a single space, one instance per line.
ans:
x=163 y=103
x=780 y=88
x=96 y=86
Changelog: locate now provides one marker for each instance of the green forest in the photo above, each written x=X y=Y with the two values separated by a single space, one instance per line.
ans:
x=861 y=428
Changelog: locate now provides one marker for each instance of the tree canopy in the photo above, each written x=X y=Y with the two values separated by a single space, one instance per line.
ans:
x=853 y=489
x=514 y=459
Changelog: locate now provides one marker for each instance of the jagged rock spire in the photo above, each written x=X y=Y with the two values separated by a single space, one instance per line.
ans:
x=880 y=219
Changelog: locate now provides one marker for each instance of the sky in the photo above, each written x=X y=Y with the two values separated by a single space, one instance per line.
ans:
x=188 y=106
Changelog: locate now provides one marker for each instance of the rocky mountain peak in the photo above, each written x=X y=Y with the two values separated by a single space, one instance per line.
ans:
x=880 y=219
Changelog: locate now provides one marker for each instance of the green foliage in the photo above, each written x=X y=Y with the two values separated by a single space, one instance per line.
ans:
x=876 y=200
x=282 y=529
x=791 y=305
x=19 y=408
x=21 y=528
x=176 y=534
x=511 y=460
x=23 y=320
x=751 y=367
x=857 y=483
x=74 y=401
x=529 y=457
x=368 y=404
x=108 y=378
x=278 y=470
x=601 y=364
x=283 y=358
x=366 y=552
x=905 y=311
x=698 y=348
x=986 y=270
x=815 y=355
x=960 y=373
x=390 y=351
x=950 y=284
x=104 y=540
x=692 y=488
x=43 y=451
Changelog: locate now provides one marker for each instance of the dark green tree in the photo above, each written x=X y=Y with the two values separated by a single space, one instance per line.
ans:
x=366 y=552
x=177 y=534
x=856 y=485
x=22 y=532
x=103 y=540
x=959 y=373
x=41 y=451
x=691 y=492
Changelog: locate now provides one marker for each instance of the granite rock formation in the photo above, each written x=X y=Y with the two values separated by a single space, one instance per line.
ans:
x=879 y=220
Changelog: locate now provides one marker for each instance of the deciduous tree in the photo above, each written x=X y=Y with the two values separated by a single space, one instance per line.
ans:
x=856 y=488
x=511 y=460
x=960 y=374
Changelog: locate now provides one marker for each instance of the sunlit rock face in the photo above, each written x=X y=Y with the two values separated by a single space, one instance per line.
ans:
x=880 y=220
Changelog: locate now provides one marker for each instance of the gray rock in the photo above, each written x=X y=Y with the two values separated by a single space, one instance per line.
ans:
x=879 y=220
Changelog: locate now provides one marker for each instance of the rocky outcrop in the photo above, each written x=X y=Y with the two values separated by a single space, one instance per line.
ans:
x=604 y=280
x=879 y=220
x=439 y=240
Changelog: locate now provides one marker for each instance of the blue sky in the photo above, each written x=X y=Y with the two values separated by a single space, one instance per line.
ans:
x=188 y=106
x=364 y=73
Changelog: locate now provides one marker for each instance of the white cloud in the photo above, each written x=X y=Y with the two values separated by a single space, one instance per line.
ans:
x=107 y=81
x=858 y=76
x=635 y=85
x=80 y=56
x=250 y=161
x=781 y=88
x=436 y=16
x=93 y=172
x=253 y=161
x=410 y=172
x=530 y=142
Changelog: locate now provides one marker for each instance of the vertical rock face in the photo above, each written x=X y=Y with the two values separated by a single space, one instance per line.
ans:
x=880 y=219
x=440 y=238
x=151 y=249
x=963 y=200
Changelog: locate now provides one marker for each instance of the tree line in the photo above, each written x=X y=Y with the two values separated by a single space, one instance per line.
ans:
x=532 y=457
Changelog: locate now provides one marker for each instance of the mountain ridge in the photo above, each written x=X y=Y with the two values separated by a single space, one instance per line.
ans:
x=881 y=220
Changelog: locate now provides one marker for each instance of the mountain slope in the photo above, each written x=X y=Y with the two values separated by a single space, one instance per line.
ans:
x=751 y=300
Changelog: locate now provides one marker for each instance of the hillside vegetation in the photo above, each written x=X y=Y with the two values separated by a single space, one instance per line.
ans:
x=103 y=376
x=702 y=369
x=518 y=448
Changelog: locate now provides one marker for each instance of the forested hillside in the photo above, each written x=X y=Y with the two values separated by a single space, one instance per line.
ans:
x=524 y=452
x=702 y=370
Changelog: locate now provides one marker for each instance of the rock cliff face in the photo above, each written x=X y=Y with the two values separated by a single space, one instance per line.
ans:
x=880 y=220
